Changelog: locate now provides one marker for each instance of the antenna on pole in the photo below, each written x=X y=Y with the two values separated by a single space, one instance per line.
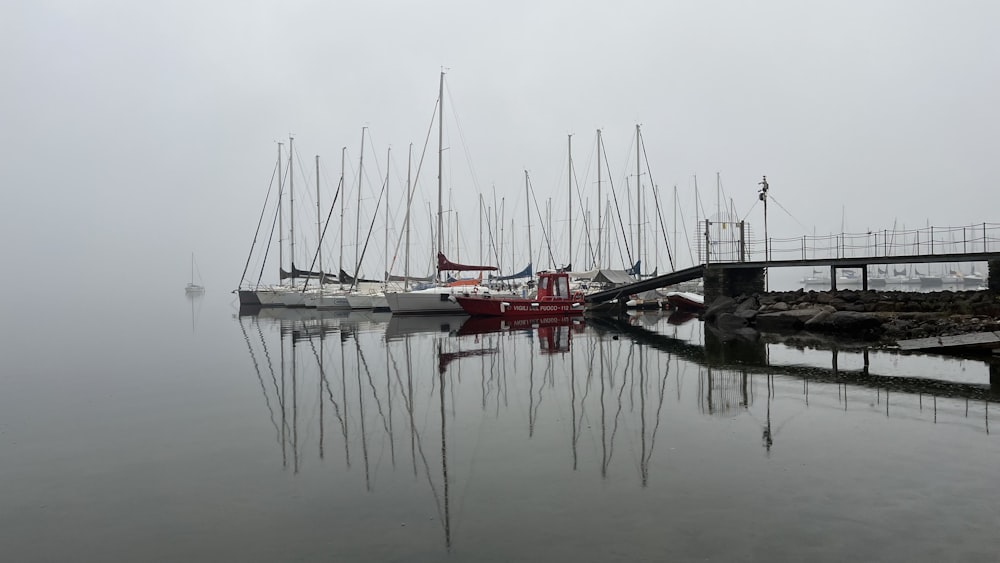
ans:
x=762 y=195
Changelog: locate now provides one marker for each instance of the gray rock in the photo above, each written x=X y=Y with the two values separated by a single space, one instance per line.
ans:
x=720 y=305
x=818 y=319
x=749 y=304
x=787 y=320
x=730 y=322
x=848 y=321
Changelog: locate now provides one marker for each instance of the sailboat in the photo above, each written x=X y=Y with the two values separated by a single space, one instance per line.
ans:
x=437 y=299
x=817 y=277
x=191 y=286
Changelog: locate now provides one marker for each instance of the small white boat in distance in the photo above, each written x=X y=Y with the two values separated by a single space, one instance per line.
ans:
x=192 y=287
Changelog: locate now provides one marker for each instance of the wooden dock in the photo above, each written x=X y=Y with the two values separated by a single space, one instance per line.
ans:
x=972 y=342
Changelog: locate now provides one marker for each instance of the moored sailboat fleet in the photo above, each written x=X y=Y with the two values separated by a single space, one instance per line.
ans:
x=557 y=291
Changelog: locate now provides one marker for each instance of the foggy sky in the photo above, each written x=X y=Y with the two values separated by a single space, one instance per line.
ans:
x=135 y=133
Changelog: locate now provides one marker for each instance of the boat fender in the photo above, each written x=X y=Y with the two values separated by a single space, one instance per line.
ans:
x=452 y=299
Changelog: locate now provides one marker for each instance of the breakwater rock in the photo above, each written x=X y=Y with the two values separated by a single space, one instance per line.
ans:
x=883 y=316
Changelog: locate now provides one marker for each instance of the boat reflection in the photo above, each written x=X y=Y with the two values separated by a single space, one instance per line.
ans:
x=401 y=326
x=594 y=395
x=554 y=333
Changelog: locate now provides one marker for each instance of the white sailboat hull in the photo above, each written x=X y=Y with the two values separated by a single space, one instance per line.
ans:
x=269 y=298
x=432 y=301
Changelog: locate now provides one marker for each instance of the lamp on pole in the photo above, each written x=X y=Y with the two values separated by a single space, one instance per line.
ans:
x=762 y=195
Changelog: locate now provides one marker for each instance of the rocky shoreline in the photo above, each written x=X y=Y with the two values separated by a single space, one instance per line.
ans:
x=876 y=317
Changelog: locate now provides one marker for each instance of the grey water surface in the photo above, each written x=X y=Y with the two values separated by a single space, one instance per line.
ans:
x=175 y=429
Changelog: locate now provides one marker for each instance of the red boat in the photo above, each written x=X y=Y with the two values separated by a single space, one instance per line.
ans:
x=553 y=299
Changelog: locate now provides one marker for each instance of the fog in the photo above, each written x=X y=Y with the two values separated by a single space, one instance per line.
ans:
x=137 y=133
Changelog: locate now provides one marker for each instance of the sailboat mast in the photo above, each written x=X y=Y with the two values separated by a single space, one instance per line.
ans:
x=718 y=197
x=512 y=262
x=440 y=169
x=409 y=198
x=569 y=211
x=676 y=242
x=357 y=221
x=548 y=214
x=340 y=264
x=638 y=200
x=388 y=154
x=281 y=226
x=527 y=202
x=291 y=207
x=599 y=261
x=319 y=231
x=699 y=234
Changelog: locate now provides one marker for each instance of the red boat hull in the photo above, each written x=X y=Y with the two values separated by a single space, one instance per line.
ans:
x=519 y=308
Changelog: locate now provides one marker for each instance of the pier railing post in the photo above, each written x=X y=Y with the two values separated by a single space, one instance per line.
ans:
x=743 y=244
x=708 y=241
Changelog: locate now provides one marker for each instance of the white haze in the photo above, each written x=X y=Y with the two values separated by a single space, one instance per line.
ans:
x=137 y=132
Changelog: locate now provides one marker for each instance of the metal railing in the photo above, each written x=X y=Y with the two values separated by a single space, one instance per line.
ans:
x=733 y=242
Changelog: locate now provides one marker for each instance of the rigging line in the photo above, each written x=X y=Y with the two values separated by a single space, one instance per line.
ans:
x=319 y=245
x=274 y=222
x=270 y=186
x=621 y=225
x=545 y=234
x=656 y=197
x=663 y=228
x=416 y=177
x=465 y=144
x=378 y=167
x=752 y=207
x=776 y=202
x=492 y=243
x=684 y=228
x=367 y=239
x=586 y=221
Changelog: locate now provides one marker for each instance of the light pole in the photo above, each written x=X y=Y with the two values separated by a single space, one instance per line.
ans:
x=762 y=195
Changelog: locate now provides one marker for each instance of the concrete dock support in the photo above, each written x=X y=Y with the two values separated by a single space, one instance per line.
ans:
x=732 y=282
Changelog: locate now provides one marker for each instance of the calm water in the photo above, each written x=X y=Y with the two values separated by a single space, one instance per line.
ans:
x=181 y=431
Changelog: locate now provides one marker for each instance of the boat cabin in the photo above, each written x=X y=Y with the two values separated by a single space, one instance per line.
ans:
x=553 y=285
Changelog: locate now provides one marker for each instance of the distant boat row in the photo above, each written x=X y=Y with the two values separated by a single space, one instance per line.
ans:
x=899 y=277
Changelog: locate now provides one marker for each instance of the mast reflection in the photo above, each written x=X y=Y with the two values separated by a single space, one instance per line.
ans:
x=599 y=395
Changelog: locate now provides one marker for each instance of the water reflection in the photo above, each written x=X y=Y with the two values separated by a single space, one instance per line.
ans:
x=195 y=300
x=463 y=397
